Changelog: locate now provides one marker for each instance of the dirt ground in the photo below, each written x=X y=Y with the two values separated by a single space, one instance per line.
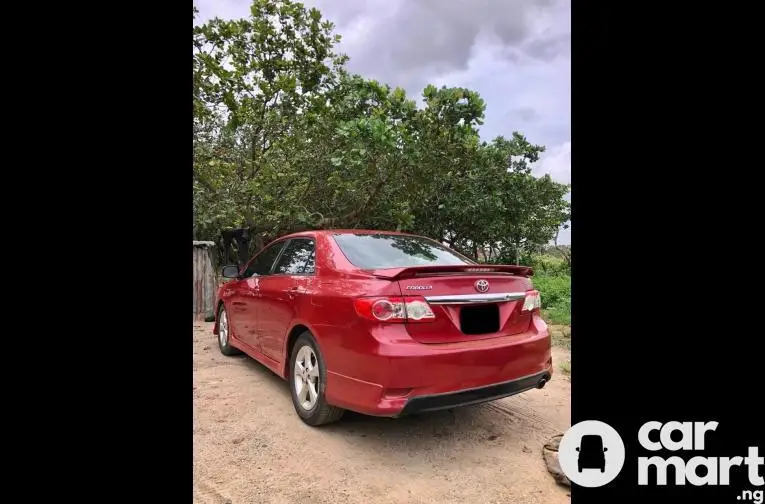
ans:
x=250 y=446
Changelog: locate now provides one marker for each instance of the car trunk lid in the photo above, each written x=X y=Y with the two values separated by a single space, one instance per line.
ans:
x=469 y=301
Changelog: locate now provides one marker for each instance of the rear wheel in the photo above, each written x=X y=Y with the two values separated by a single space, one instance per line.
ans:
x=224 y=332
x=308 y=378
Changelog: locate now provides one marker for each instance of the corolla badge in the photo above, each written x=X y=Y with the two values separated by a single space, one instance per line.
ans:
x=419 y=287
x=482 y=285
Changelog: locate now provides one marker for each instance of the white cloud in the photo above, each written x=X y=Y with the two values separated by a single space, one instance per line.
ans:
x=556 y=162
x=226 y=9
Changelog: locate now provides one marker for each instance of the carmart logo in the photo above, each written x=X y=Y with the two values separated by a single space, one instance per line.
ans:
x=591 y=454
x=692 y=436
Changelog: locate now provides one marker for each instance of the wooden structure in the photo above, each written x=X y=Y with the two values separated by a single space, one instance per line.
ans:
x=204 y=281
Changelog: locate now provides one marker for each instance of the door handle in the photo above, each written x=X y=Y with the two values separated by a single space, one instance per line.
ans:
x=293 y=291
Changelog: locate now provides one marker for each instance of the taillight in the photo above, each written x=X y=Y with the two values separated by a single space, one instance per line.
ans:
x=394 y=309
x=532 y=301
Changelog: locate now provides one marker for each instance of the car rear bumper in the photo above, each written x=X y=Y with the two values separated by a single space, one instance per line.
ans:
x=434 y=402
x=399 y=377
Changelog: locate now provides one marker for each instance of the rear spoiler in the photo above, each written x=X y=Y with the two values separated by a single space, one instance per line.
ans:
x=399 y=273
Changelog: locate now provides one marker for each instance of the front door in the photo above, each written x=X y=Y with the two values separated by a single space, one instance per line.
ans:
x=247 y=294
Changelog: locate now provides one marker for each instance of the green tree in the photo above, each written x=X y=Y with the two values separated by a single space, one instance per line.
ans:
x=254 y=79
x=286 y=139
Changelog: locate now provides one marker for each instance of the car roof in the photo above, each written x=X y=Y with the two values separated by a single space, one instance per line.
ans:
x=346 y=231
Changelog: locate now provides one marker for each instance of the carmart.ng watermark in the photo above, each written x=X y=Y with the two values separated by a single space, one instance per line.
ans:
x=751 y=495
x=585 y=459
x=716 y=470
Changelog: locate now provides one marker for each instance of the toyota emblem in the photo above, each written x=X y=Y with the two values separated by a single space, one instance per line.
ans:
x=482 y=285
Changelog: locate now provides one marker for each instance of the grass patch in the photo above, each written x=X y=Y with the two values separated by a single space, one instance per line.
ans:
x=565 y=368
x=555 y=291
x=561 y=336
x=557 y=315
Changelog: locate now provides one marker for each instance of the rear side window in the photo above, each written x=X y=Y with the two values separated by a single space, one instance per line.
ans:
x=262 y=263
x=378 y=251
x=297 y=258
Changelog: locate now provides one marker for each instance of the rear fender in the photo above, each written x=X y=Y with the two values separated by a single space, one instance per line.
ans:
x=287 y=341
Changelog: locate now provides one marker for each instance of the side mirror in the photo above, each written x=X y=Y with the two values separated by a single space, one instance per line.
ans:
x=577 y=448
x=605 y=449
x=231 y=271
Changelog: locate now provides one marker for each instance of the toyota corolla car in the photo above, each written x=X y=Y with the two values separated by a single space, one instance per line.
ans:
x=383 y=323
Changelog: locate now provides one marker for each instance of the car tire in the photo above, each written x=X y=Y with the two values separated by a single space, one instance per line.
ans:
x=224 y=334
x=308 y=381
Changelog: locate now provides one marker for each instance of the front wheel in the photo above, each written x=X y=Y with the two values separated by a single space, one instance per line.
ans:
x=224 y=332
x=308 y=378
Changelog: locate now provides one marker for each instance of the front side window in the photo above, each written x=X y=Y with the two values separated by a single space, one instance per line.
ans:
x=261 y=264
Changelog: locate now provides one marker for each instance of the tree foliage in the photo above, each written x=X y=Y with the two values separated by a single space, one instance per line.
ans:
x=286 y=139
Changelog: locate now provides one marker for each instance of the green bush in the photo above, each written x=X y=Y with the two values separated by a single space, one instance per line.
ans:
x=548 y=265
x=555 y=291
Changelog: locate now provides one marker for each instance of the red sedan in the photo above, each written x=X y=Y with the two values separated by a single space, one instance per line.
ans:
x=383 y=323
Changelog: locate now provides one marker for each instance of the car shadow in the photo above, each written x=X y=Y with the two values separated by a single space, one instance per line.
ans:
x=438 y=434
x=416 y=432
x=265 y=373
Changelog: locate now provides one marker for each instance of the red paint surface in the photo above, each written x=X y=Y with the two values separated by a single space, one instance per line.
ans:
x=374 y=367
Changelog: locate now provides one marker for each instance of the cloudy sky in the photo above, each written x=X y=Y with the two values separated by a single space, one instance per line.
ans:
x=515 y=53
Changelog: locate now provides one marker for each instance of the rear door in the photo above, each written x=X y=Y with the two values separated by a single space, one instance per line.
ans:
x=246 y=292
x=281 y=293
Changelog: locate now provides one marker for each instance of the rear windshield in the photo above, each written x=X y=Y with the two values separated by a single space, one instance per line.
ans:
x=378 y=251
